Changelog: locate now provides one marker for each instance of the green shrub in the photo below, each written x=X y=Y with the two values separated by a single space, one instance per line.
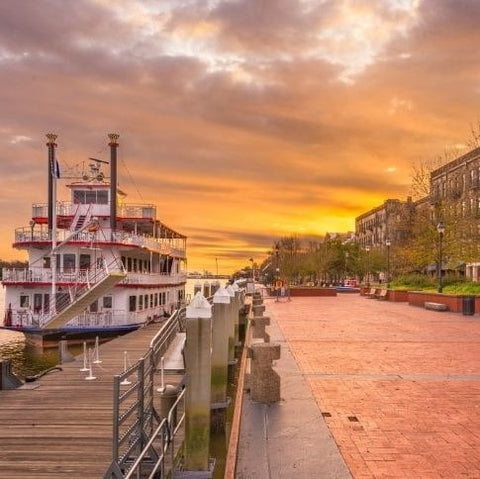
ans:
x=412 y=282
x=451 y=284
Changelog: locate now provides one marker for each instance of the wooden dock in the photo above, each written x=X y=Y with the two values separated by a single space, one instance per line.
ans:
x=60 y=426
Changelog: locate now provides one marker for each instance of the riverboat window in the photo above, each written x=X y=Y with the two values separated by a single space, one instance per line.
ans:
x=94 y=307
x=24 y=301
x=151 y=300
x=107 y=302
x=84 y=261
x=140 y=302
x=134 y=265
x=37 y=302
x=46 y=303
x=146 y=301
x=87 y=197
x=156 y=299
x=46 y=261
x=132 y=303
x=68 y=262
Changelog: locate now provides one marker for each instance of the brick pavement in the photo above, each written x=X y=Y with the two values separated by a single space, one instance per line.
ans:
x=397 y=385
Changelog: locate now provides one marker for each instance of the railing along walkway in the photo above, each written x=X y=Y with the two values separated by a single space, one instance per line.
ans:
x=60 y=426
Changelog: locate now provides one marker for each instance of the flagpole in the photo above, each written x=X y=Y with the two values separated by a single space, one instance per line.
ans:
x=53 y=255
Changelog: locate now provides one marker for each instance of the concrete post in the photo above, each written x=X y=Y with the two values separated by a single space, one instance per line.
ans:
x=236 y=313
x=214 y=287
x=221 y=307
x=198 y=347
x=231 y=325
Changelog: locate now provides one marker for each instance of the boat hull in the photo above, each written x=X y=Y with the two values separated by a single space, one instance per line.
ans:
x=37 y=335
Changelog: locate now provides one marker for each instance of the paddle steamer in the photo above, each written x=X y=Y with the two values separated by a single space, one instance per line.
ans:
x=97 y=265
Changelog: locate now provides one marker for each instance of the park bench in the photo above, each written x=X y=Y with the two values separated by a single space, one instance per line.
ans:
x=382 y=294
x=435 y=306
x=371 y=294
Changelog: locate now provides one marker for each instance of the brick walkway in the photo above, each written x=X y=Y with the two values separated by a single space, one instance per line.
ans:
x=398 y=386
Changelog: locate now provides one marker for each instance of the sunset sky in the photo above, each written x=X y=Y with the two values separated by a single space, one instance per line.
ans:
x=243 y=120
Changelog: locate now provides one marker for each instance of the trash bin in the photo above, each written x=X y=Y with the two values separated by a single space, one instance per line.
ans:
x=468 y=305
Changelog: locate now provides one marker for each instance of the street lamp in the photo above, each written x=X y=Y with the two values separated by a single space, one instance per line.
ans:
x=367 y=249
x=388 y=243
x=441 y=232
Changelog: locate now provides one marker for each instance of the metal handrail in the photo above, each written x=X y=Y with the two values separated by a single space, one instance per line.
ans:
x=135 y=423
x=166 y=431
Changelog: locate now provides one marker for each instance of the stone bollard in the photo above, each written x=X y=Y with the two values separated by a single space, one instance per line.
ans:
x=264 y=381
x=257 y=301
x=258 y=324
x=258 y=309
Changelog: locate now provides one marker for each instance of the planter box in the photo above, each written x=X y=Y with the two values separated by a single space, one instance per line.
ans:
x=312 y=292
x=453 y=302
x=397 y=296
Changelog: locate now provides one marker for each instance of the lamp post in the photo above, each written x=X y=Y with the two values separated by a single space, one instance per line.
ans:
x=388 y=243
x=277 y=271
x=441 y=232
x=367 y=249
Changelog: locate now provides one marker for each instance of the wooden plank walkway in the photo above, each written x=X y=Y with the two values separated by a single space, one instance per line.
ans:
x=60 y=426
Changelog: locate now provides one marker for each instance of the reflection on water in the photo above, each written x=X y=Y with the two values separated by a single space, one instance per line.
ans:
x=27 y=359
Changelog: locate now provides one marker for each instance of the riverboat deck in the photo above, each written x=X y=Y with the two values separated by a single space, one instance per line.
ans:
x=60 y=426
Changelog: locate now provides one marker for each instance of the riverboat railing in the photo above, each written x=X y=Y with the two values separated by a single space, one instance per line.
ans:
x=144 y=443
x=166 y=246
x=68 y=208
x=64 y=297
x=83 y=275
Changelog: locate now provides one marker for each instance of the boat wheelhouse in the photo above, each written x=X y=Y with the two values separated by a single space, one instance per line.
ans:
x=96 y=264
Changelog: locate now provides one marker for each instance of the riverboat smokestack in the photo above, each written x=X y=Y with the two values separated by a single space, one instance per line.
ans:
x=113 y=137
x=51 y=171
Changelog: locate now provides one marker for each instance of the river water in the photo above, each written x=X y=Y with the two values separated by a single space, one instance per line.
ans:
x=27 y=360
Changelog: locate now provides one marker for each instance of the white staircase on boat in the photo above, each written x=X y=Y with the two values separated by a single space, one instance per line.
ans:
x=84 y=300
x=81 y=218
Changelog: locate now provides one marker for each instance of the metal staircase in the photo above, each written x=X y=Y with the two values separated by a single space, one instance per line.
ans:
x=84 y=299
x=80 y=220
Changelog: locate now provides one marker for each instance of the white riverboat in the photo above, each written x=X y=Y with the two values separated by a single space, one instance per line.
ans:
x=97 y=266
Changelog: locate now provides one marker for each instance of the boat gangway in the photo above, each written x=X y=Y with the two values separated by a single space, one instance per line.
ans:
x=69 y=423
